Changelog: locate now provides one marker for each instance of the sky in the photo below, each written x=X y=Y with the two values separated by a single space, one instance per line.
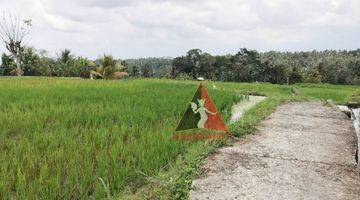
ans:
x=161 y=28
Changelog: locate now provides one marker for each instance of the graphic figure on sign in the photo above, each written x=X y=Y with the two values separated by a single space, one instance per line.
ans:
x=201 y=120
x=203 y=112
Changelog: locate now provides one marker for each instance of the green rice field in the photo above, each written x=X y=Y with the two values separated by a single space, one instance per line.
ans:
x=84 y=139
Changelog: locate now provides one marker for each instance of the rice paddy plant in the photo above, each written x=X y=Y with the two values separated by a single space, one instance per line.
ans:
x=59 y=137
x=83 y=139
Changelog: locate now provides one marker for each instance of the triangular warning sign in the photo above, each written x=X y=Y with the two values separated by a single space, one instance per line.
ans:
x=201 y=113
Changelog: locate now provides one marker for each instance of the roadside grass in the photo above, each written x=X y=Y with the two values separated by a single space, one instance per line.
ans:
x=82 y=139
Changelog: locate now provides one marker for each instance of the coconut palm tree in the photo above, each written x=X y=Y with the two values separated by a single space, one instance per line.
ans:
x=109 y=69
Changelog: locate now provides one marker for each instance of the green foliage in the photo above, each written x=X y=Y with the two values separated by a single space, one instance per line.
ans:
x=254 y=116
x=59 y=136
x=276 y=74
x=108 y=68
x=241 y=97
x=36 y=64
x=159 y=67
x=245 y=66
x=64 y=63
x=184 y=76
x=163 y=72
x=82 y=67
x=133 y=71
x=146 y=71
x=7 y=65
x=335 y=67
x=354 y=71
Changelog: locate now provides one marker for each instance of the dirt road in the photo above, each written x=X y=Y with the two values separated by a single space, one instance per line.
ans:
x=302 y=151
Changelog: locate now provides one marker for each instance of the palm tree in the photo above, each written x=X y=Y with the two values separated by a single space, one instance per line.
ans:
x=65 y=56
x=64 y=63
x=109 y=69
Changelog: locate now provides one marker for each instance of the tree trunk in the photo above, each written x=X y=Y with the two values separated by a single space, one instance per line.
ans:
x=19 y=71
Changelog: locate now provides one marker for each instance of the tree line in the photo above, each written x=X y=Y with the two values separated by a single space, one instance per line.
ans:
x=34 y=62
x=336 y=67
x=38 y=63
x=329 y=66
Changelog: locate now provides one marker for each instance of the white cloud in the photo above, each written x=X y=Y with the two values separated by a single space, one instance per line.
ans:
x=134 y=28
